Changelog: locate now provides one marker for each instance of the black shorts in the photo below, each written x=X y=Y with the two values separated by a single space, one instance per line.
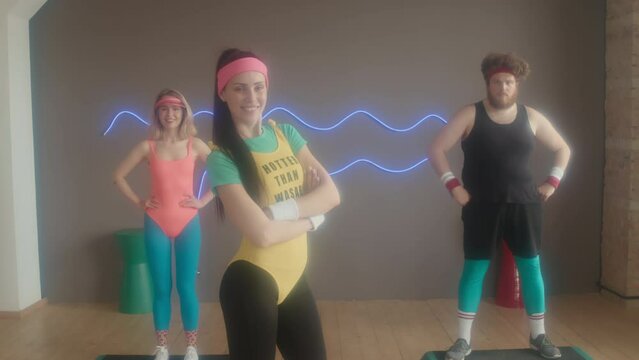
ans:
x=485 y=224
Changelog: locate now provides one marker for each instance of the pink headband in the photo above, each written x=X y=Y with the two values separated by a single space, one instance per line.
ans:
x=170 y=100
x=233 y=68
x=502 y=69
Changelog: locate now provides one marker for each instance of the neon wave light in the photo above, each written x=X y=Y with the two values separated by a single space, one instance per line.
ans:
x=314 y=127
x=299 y=119
x=125 y=112
x=347 y=166
x=139 y=119
x=356 y=112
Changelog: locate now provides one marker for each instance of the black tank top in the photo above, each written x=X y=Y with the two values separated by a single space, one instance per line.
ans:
x=496 y=159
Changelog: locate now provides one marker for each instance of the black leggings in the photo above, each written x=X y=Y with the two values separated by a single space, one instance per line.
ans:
x=255 y=323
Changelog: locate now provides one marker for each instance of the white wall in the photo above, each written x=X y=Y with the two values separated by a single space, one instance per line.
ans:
x=19 y=260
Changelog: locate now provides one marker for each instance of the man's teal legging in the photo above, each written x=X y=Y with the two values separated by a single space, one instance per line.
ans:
x=187 y=255
x=532 y=284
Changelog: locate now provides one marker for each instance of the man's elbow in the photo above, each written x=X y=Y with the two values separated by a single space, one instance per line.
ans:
x=434 y=150
x=117 y=178
x=565 y=151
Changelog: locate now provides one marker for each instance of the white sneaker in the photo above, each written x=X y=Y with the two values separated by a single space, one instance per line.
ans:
x=161 y=353
x=191 y=353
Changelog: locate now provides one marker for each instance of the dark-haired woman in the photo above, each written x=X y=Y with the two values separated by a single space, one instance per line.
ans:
x=273 y=191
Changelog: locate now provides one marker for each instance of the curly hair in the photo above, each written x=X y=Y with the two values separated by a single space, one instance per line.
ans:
x=514 y=63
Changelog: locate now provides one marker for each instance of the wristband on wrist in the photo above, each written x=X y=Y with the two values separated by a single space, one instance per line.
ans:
x=316 y=221
x=555 y=176
x=450 y=181
x=285 y=210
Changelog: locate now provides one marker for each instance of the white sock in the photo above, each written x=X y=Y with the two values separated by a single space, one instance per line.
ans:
x=465 y=323
x=536 y=324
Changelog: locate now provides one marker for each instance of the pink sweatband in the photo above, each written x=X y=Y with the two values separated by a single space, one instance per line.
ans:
x=168 y=100
x=502 y=69
x=233 y=68
x=553 y=181
x=452 y=183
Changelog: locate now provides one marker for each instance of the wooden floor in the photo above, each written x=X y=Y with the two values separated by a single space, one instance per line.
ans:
x=353 y=330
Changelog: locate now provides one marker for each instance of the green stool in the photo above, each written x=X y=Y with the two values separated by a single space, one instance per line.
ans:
x=136 y=291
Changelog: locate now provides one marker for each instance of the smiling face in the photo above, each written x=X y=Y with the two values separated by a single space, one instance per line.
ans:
x=502 y=90
x=170 y=116
x=245 y=94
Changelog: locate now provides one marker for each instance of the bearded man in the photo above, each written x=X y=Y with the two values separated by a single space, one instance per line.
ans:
x=499 y=197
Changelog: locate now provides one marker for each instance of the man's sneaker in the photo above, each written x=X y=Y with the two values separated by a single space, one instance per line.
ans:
x=545 y=348
x=459 y=350
x=191 y=353
x=161 y=353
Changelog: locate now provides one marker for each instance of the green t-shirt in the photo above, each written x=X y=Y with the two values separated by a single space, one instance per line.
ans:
x=222 y=170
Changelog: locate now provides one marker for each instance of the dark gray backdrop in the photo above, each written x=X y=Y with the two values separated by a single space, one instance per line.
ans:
x=395 y=235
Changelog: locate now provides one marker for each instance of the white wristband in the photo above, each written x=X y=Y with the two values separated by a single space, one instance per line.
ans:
x=285 y=210
x=316 y=220
x=446 y=177
x=557 y=172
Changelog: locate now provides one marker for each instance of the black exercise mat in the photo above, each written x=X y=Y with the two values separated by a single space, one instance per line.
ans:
x=567 y=353
x=150 y=357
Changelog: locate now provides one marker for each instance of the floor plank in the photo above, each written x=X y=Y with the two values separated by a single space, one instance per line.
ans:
x=353 y=330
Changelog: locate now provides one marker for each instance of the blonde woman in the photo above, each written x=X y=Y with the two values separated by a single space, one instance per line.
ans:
x=171 y=212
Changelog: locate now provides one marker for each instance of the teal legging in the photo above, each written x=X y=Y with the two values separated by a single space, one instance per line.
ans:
x=472 y=280
x=187 y=255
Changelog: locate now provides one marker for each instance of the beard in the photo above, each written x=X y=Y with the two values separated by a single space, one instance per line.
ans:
x=502 y=102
